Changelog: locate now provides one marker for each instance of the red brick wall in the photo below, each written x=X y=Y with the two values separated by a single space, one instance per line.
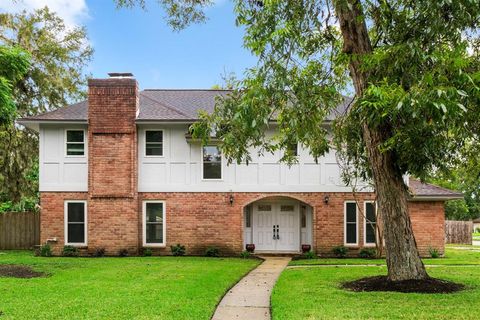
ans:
x=428 y=223
x=199 y=220
x=52 y=216
x=112 y=206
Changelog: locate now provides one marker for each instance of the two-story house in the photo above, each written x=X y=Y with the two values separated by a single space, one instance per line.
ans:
x=119 y=171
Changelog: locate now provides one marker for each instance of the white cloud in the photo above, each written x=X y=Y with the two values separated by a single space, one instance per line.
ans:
x=73 y=12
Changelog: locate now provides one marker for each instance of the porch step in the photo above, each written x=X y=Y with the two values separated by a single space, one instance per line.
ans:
x=276 y=254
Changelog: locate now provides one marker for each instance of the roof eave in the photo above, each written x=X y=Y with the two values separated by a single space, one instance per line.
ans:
x=418 y=198
x=34 y=124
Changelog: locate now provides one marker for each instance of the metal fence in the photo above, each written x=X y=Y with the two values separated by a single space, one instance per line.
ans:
x=458 y=232
x=19 y=230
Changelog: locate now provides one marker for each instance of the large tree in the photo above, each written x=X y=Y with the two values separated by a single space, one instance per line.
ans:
x=55 y=78
x=414 y=69
x=14 y=64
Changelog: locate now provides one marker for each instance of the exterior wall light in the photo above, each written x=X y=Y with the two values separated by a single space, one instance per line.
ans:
x=230 y=199
x=326 y=199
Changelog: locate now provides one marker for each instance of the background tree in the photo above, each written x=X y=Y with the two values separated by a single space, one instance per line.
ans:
x=56 y=77
x=416 y=79
x=464 y=176
x=14 y=64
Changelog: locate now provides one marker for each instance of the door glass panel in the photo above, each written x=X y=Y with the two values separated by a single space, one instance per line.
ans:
x=286 y=208
x=264 y=207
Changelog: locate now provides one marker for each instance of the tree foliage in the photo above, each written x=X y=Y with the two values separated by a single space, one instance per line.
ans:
x=14 y=64
x=56 y=77
x=463 y=175
x=179 y=14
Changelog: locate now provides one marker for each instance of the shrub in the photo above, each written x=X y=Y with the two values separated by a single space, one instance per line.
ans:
x=309 y=255
x=178 y=250
x=245 y=254
x=340 y=251
x=123 y=253
x=147 y=252
x=70 y=251
x=212 y=252
x=99 y=252
x=46 y=250
x=434 y=253
x=477 y=230
x=367 y=253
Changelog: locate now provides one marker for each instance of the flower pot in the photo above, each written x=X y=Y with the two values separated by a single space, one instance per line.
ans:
x=250 y=247
x=306 y=247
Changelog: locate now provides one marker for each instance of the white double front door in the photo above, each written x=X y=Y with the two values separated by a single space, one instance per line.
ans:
x=276 y=226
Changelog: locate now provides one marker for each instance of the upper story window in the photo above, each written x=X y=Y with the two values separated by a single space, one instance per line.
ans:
x=75 y=142
x=212 y=163
x=370 y=223
x=75 y=223
x=293 y=148
x=154 y=143
x=351 y=223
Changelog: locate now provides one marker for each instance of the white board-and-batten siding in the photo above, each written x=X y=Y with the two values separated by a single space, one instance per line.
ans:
x=180 y=167
x=57 y=171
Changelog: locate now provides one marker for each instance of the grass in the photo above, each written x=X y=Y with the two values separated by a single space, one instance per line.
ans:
x=314 y=293
x=118 y=288
x=476 y=236
x=469 y=255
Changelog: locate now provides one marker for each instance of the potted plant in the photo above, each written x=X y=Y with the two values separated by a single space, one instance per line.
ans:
x=250 y=247
x=306 y=247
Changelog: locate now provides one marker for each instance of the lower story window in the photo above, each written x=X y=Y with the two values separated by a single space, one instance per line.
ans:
x=154 y=223
x=351 y=236
x=75 y=223
x=370 y=223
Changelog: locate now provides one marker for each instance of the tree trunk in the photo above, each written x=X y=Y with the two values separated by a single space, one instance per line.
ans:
x=403 y=258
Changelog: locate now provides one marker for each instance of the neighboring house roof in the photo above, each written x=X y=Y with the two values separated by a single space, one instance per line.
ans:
x=159 y=105
x=426 y=191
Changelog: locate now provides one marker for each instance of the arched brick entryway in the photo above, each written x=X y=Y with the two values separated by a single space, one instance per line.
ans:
x=277 y=223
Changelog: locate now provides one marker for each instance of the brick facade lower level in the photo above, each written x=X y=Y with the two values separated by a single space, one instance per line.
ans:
x=199 y=220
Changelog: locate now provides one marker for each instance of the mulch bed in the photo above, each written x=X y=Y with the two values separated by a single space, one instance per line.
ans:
x=19 y=271
x=381 y=283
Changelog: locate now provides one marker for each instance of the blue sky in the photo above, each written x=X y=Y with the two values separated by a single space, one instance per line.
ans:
x=137 y=41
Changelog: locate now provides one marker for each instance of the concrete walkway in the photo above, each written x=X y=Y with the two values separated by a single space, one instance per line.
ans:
x=250 y=298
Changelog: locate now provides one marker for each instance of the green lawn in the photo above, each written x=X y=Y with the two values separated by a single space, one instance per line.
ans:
x=314 y=292
x=476 y=236
x=469 y=255
x=118 y=288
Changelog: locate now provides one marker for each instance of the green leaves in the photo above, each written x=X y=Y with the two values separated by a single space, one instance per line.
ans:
x=54 y=78
x=14 y=64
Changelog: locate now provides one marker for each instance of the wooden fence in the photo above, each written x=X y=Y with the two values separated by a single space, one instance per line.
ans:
x=19 y=230
x=458 y=232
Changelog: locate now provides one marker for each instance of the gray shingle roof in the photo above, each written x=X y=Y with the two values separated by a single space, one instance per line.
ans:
x=159 y=105
x=429 y=191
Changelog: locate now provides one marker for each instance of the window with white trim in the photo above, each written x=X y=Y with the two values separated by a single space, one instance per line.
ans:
x=212 y=163
x=370 y=223
x=75 y=142
x=293 y=148
x=154 y=143
x=154 y=223
x=351 y=228
x=75 y=223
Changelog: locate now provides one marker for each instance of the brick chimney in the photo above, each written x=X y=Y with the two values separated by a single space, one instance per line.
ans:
x=112 y=163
